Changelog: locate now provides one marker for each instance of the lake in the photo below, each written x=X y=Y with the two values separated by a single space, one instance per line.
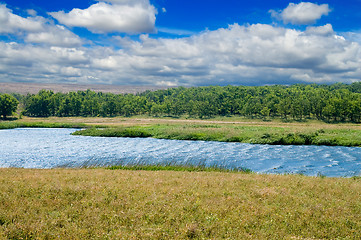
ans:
x=53 y=148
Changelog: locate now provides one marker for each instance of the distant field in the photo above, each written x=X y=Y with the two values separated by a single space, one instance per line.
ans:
x=24 y=88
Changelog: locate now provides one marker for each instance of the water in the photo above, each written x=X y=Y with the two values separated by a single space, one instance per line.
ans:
x=52 y=148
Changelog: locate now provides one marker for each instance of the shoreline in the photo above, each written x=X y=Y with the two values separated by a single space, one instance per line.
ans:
x=229 y=130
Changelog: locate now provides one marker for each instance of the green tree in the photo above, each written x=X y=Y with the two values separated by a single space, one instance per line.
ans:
x=283 y=108
x=38 y=105
x=8 y=105
x=265 y=111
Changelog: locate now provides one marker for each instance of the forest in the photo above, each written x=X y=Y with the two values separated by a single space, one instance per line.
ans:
x=330 y=103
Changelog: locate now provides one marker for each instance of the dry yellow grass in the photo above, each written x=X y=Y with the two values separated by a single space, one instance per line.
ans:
x=118 y=204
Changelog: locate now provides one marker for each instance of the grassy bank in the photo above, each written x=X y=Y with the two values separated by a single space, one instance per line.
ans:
x=233 y=129
x=25 y=124
x=233 y=133
x=179 y=168
x=123 y=204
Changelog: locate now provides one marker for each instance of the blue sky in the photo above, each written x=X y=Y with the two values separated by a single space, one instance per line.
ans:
x=180 y=43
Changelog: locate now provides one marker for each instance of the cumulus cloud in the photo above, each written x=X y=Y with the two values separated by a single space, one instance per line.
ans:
x=243 y=54
x=56 y=36
x=303 y=13
x=321 y=30
x=36 y=29
x=251 y=55
x=255 y=54
x=21 y=62
x=126 y=16
x=12 y=23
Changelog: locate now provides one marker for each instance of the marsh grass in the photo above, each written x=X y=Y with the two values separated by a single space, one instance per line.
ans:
x=179 y=168
x=232 y=129
x=233 y=133
x=123 y=204
x=18 y=124
x=114 y=132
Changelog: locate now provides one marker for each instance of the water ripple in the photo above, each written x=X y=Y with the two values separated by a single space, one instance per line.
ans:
x=52 y=148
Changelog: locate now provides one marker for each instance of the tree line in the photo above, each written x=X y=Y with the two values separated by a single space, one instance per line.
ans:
x=330 y=103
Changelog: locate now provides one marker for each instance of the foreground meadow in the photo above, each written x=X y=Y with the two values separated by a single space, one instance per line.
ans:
x=126 y=204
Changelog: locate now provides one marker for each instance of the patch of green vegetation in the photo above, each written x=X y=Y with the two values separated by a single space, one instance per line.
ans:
x=19 y=124
x=176 y=167
x=230 y=133
x=339 y=137
x=114 y=132
x=274 y=134
x=286 y=139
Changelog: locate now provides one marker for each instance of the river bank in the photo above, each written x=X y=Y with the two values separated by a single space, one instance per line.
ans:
x=123 y=204
x=232 y=129
x=55 y=147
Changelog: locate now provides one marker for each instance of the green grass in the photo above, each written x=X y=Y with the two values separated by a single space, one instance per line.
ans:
x=307 y=133
x=231 y=133
x=19 y=124
x=113 y=132
x=175 y=167
x=123 y=204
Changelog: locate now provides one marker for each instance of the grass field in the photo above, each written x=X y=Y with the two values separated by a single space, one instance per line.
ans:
x=123 y=204
x=181 y=203
x=233 y=129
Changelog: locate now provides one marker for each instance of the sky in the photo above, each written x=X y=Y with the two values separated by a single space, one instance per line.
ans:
x=180 y=43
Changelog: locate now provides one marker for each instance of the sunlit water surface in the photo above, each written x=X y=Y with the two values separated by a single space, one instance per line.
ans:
x=52 y=148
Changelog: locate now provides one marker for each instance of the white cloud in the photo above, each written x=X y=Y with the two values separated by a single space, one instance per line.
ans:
x=36 y=29
x=255 y=54
x=11 y=23
x=55 y=36
x=32 y=12
x=242 y=54
x=127 y=16
x=353 y=36
x=250 y=55
x=322 y=30
x=303 y=13
x=41 y=64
